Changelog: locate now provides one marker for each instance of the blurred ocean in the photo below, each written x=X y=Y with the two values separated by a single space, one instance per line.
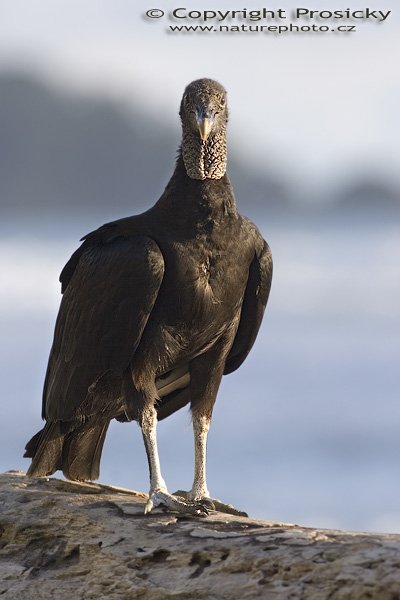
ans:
x=305 y=431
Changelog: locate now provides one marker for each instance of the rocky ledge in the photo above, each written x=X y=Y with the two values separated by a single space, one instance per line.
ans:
x=60 y=539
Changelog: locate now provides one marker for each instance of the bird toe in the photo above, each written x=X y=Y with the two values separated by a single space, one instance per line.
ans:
x=176 y=504
x=207 y=504
x=228 y=509
x=212 y=504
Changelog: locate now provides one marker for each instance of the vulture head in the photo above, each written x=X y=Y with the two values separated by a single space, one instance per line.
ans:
x=204 y=107
x=204 y=115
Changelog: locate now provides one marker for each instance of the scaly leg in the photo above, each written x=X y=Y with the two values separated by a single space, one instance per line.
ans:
x=158 y=490
x=199 y=491
x=201 y=425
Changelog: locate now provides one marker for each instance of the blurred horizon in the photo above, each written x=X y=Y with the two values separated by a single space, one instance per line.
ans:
x=313 y=105
x=49 y=133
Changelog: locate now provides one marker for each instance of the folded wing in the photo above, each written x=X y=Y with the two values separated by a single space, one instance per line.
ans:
x=254 y=303
x=108 y=299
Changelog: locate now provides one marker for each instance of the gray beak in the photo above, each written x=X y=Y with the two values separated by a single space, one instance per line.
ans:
x=205 y=123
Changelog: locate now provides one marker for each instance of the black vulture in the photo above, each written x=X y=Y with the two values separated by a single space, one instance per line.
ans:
x=156 y=307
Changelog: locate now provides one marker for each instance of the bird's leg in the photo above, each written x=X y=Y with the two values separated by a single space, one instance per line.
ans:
x=203 y=389
x=158 y=490
x=201 y=425
x=199 y=491
x=149 y=432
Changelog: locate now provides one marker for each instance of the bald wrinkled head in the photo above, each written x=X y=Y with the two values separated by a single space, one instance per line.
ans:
x=204 y=107
x=204 y=114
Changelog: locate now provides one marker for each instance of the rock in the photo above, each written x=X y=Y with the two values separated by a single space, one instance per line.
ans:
x=60 y=539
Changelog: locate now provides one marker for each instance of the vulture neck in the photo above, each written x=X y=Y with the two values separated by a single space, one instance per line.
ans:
x=204 y=159
x=199 y=189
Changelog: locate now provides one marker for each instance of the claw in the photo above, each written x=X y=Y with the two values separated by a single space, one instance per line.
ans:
x=149 y=506
x=229 y=509
x=207 y=504
x=201 y=510
x=213 y=504
x=175 y=503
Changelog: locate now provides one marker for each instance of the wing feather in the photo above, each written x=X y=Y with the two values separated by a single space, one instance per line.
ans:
x=253 y=307
x=108 y=298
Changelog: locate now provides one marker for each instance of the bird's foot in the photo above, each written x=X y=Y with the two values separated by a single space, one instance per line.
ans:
x=213 y=504
x=176 y=503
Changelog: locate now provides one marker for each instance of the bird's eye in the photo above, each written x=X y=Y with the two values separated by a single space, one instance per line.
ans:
x=222 y=100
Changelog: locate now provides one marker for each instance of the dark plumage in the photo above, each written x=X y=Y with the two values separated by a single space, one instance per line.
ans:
x=155 y=309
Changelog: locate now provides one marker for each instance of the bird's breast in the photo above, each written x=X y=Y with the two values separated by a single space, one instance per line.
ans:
x=200 y=299
x=208 y=275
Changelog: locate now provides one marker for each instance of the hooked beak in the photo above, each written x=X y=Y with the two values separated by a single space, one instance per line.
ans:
x=205 y=124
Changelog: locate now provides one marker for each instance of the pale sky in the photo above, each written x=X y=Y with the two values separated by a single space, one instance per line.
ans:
x=314 y=106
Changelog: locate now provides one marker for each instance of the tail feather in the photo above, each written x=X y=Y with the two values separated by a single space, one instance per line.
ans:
x=76 y=452
x=45 y=448
x=82 y=451
x=32 y=446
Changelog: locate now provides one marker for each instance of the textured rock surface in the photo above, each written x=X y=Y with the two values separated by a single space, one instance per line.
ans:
x=64 y=540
